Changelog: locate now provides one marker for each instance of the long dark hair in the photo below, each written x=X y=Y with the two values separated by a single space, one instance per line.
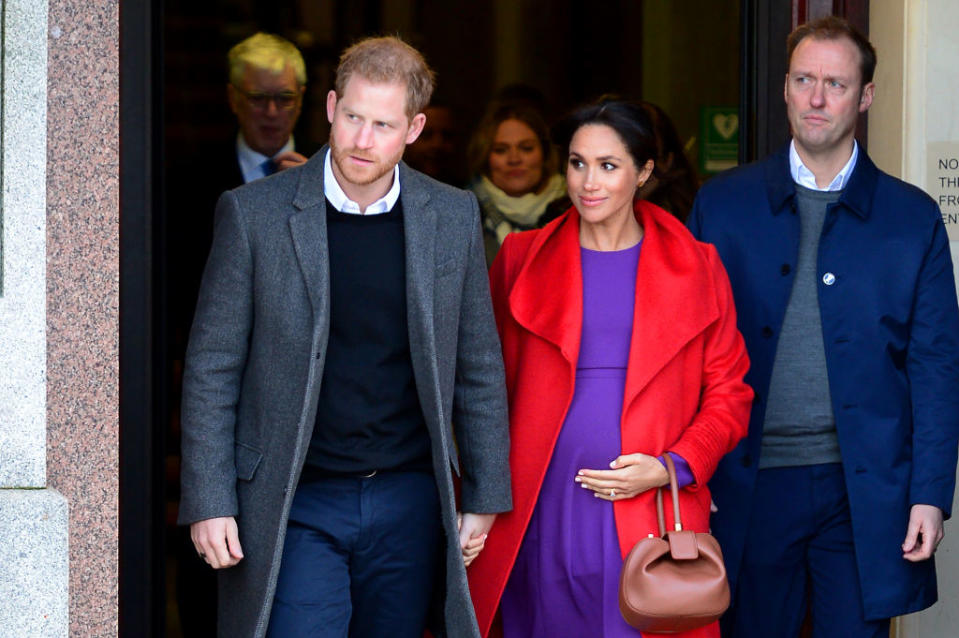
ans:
x=648 y=134
x=627 y=119
x=676 y=180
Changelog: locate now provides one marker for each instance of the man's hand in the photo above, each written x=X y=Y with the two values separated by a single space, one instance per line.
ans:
x=217 y=542
x=473 y=530
x=923 y=534
x=287 y=160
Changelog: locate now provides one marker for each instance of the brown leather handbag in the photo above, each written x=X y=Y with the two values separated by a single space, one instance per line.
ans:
x=676 y=582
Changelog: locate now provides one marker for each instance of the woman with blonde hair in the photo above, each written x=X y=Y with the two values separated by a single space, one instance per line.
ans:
x=514 y=164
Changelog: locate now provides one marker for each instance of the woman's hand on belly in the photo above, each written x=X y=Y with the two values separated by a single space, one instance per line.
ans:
x=631 y=474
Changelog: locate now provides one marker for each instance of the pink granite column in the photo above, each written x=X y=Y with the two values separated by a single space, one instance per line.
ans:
x=83 y=297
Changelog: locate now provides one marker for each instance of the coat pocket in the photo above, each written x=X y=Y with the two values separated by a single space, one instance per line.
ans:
x=247 y=460
x=453 y=454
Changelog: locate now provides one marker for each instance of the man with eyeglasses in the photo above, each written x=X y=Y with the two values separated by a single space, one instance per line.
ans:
x=267 y=81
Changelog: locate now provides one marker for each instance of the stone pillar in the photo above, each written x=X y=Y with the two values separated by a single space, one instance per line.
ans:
x=83 y=298
x=33 y=517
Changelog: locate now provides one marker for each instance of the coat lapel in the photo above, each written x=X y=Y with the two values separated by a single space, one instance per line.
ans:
x=419 y=229
x=675 y=297
x=547 y=296
x=674 y=302
x=420 y=233
x=308 y=229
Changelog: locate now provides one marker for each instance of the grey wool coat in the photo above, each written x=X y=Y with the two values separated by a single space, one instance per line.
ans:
x=255 y=362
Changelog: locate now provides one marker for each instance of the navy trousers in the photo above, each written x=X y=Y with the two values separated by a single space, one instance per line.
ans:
x=799 y=547
x=359 y=558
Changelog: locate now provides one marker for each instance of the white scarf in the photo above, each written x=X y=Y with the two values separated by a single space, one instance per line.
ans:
x=522 y=211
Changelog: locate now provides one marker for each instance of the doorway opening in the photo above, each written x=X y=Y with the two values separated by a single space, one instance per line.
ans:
x=711 y=66
x=556 y=54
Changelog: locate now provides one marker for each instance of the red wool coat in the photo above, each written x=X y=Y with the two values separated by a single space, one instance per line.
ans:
x=684 y=381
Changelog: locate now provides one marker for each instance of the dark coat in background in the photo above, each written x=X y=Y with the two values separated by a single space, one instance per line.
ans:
x=890 y=325
x=255 y=363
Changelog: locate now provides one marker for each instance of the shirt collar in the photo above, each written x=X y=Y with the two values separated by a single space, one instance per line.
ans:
x=804 y=177
x=344 y=204
x=251 y=162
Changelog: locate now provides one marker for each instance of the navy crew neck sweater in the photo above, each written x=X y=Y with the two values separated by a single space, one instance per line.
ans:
x=369 y=415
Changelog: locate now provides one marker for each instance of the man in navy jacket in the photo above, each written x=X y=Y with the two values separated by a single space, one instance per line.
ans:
x=846 y=298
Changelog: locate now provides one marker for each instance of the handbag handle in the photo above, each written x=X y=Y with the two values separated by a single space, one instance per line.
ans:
x=674 y=489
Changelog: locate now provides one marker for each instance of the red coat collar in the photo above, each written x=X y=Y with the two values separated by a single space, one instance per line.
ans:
x=675 y=294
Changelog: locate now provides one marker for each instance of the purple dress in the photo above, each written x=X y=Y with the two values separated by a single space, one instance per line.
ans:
x=566 y=578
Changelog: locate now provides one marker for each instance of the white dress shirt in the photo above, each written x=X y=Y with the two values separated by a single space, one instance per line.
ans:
x=804 y=177
x=344 y=204
x=251 y=162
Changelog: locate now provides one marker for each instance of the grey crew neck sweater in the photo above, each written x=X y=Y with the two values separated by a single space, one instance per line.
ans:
x=800 y=428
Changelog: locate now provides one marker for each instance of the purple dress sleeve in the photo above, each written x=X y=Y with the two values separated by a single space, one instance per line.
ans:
x=684 y=476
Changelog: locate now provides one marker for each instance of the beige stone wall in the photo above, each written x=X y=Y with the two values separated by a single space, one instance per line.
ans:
x=914 y=113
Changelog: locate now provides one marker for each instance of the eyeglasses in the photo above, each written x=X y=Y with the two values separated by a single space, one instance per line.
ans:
x=285 y=101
